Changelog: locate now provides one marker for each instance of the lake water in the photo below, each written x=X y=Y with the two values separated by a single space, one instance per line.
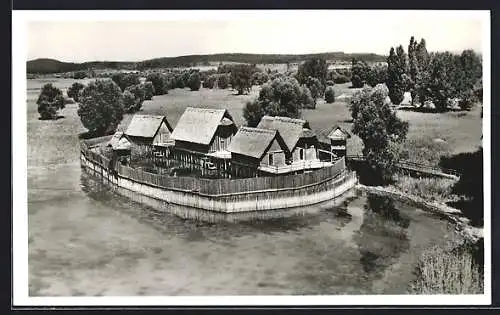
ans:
x=86 y=240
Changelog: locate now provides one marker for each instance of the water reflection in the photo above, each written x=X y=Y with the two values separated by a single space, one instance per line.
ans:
x=383 y=236
x=340 y=247
x=384 y=206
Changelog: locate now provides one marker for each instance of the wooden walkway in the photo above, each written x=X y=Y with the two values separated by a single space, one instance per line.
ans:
x=417 y=168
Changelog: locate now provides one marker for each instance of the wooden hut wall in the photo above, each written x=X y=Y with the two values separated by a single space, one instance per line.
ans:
x=140 y=146
x=222 y=138
x=191 y=147
x=244 y=166
x=163 y=134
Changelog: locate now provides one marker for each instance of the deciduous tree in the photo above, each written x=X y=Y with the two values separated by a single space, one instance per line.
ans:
x=376 y=74
x=253 y=113
x=101 y=107
x=317 y=89
x=314 y=67
x=149 y=90
x=74 y=89
x=329 y=95
x=396 y=69
x=280 y=97
x=360 y=70
x=50 y=101
x=241 y=77
x=125 y=80
x=157 y=80
x=380 y=130
x=194 y=81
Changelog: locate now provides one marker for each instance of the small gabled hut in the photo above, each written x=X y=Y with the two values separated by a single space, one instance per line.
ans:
x=255 y=151
x=298 y=136
x=120 y=149
x=334 y=140
x=120 y=144
x=149 y=133
x=204 y=133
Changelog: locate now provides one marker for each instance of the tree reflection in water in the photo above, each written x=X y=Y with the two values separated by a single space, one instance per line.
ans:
x=382 y=237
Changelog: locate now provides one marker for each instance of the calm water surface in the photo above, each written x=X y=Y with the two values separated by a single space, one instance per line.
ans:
x=86 y=240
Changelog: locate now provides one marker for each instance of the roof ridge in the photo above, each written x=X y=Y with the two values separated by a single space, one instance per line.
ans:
x=261 y=130
x=204 y=109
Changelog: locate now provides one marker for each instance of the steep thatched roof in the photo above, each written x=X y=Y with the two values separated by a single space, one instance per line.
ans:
x=119 y=141
x=146 y=126
x=198 y=125
x=335 y=132
x=254 y=142
x=307 y=133
x=290 y=129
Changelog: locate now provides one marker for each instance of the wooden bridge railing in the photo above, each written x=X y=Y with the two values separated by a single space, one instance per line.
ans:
x=413 y=166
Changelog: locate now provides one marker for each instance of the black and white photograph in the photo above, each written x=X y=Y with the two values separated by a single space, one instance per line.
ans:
x=299 y=157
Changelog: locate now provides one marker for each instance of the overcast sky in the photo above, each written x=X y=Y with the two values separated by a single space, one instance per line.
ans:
x=308 y=32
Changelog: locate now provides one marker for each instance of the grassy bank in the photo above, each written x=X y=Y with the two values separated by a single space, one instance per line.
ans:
x=434 y=189
x=453 y=269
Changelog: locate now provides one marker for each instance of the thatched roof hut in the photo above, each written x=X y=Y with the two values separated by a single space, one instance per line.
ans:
x=290 y=129
x=146 y=126
x=119 y=142
x=333 y=133
x=255 y=142
x=199 y=125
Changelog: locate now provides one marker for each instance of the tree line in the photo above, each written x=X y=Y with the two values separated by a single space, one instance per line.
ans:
x=439 y=78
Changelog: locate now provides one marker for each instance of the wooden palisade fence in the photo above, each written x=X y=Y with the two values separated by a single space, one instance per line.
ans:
x=222 y=185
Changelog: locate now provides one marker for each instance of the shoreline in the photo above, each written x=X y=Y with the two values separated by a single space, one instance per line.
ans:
x=453 y=215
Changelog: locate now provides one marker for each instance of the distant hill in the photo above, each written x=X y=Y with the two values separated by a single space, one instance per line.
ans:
x=43 y=66
x=50 y=66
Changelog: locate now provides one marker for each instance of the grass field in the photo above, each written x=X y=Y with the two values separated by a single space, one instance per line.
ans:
x=430 y=135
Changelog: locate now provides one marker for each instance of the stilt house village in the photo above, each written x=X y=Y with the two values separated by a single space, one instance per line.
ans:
x=207 y=142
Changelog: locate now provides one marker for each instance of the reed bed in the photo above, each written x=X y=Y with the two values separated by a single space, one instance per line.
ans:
x=447 y=271
x=429 y=188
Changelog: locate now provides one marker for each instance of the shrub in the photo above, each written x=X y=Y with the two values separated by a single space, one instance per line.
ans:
x=157 y=81
x=194 y=81
x=124 y=80
x=149 y=90
x=306 y=98
x=467 y=100
x=49 y=101
x=74 y=90
x=223 y=81
x=330 y=95
x=316 y=87
x=178 y=81
x=209 y=82
x=129 y=101
x=340 y=79
x=139 y=93
x=79 y=75
x=259 y=78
